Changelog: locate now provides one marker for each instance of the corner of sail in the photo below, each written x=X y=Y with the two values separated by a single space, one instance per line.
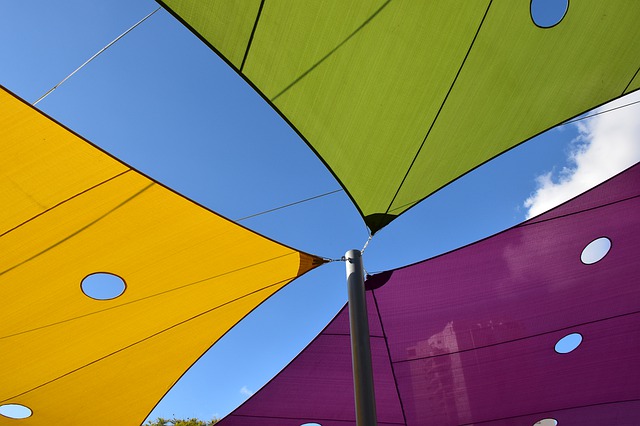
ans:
x=377 y=221
x=309 y=262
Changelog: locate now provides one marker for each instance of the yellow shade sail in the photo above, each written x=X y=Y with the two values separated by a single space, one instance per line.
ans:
x=70 y=211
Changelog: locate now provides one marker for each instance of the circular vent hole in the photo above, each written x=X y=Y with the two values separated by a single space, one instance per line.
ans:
x=103 y=286
x=548 y=13
x=546 y=422
x=568 y=343
x=595 y=251
x=15 y=411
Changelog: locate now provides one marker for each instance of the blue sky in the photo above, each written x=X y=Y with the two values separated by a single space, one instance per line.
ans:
x=164 y=103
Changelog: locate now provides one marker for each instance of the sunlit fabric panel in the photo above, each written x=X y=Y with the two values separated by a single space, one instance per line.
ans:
x=69 y=212
x=477 y=335
x=400 y=97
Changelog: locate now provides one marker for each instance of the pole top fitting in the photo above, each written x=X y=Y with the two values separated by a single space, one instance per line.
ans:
x=352 y=255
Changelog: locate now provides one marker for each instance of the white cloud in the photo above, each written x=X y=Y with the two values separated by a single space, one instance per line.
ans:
x=245 y=391
x=607 y=144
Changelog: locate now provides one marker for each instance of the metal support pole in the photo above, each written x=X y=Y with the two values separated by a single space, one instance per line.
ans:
x=360 y=345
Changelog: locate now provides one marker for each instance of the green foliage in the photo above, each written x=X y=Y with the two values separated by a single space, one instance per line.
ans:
x=180 y=422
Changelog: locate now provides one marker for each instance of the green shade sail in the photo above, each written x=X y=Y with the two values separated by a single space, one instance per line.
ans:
x=400 y=98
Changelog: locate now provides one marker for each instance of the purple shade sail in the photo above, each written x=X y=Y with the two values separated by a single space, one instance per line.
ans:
x=468 y=337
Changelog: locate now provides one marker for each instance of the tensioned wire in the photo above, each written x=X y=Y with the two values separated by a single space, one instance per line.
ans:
x=111 y=44
x=598 y=113
x=295 y=202
x=96 y=55
x=289 y=205
x=342 y=190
